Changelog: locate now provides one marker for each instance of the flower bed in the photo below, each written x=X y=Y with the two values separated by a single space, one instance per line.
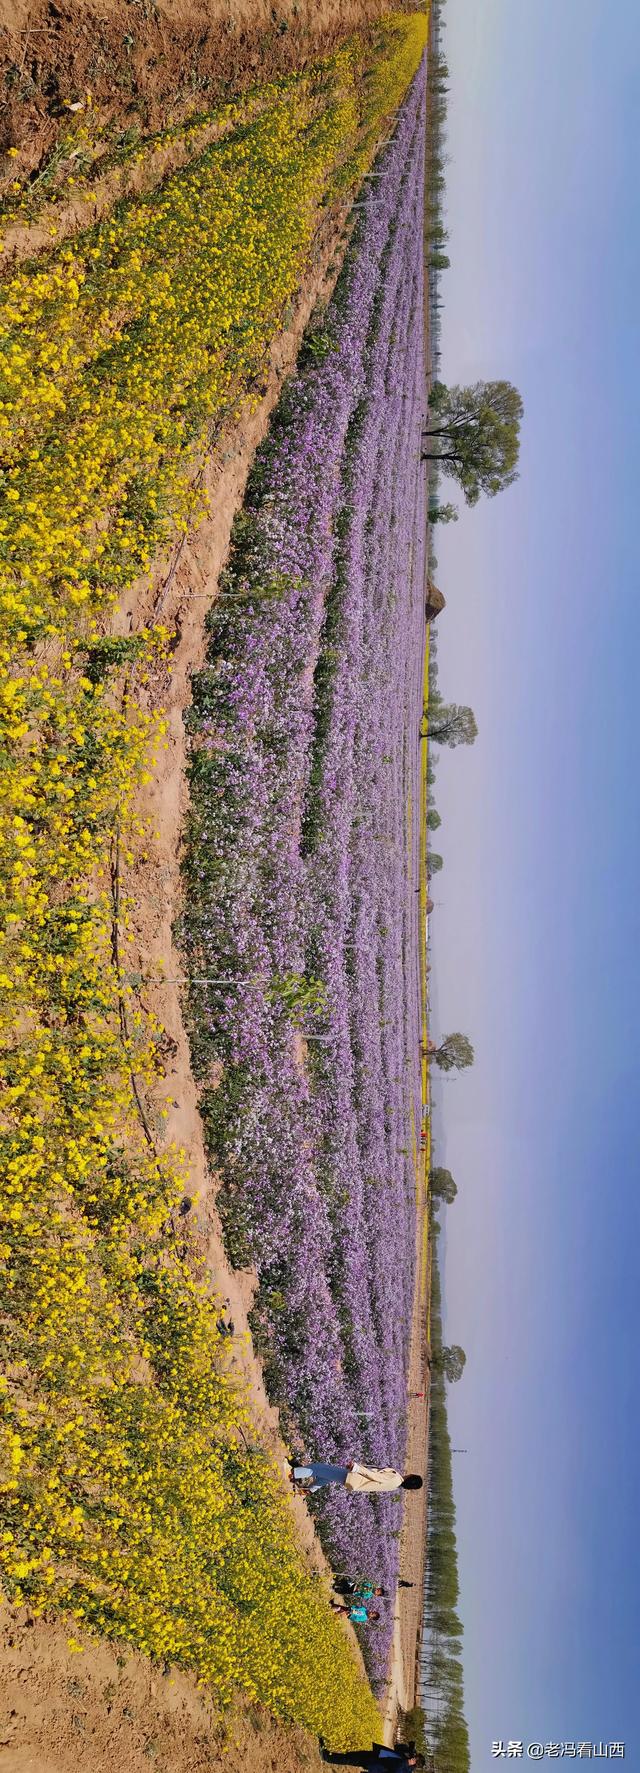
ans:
x=304 y=759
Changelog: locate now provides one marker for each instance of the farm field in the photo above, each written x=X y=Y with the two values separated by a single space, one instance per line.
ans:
x=304 y=727
x=142 y=1498
x=89 y=83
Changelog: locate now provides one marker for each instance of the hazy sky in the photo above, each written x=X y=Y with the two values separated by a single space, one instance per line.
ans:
x=536 y=932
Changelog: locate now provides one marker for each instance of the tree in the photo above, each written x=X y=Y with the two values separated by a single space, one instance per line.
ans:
x=451 y=724
x=474 y=435
x=451 y=1361
x=454 y=1053
x=443 y=1186
x=434 y=863
x=443 y=514
x=433 y=818
x=414 y=1729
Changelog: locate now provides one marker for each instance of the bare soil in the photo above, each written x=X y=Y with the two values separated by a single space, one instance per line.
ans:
x=401 y=1689
x=105 y=1712
x=149 y=63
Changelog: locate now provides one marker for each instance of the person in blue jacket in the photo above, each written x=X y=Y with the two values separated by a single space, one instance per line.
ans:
x=357 y=1591
x=357 y=1612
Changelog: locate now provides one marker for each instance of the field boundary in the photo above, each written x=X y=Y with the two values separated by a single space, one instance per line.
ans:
x=408 y=1613
x=402 y=1687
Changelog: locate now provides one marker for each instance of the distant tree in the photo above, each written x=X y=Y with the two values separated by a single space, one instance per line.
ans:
x=443 y=514
x=439 y=261
x=433 y=818
x=434 y=863
x=443 y=1186
x=451 y=724
x=414 y=1729
x=451 y=1361
x=454 y=1053
x=474 y=435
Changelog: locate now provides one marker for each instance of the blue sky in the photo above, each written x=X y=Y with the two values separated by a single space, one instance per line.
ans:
x=536 y=932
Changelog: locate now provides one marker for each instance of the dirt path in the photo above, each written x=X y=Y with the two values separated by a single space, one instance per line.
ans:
x=400 y=1695
x=107 y=1712
x=401 y=1690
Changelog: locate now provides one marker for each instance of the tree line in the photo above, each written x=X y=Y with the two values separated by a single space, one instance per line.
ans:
x=441 y=1684
x=450 y=723
x=435 y=181
x=472 y=436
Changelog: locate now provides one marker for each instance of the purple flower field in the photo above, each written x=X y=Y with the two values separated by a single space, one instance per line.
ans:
x=303 y=776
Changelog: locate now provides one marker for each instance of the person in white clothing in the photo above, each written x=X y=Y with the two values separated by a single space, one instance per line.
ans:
x=366 y=1479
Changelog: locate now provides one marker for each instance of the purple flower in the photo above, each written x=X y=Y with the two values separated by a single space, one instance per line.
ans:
x=304 y=784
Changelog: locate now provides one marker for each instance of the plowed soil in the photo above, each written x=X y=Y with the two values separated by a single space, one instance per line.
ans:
x=98 y=1711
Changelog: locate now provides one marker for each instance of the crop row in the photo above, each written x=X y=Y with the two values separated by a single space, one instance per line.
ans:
x=122 y=354
x=304 y=748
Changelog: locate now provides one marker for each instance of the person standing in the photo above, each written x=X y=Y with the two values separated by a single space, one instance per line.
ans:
x=360 y=1591
x=364 y=1479
x=357 y=1613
